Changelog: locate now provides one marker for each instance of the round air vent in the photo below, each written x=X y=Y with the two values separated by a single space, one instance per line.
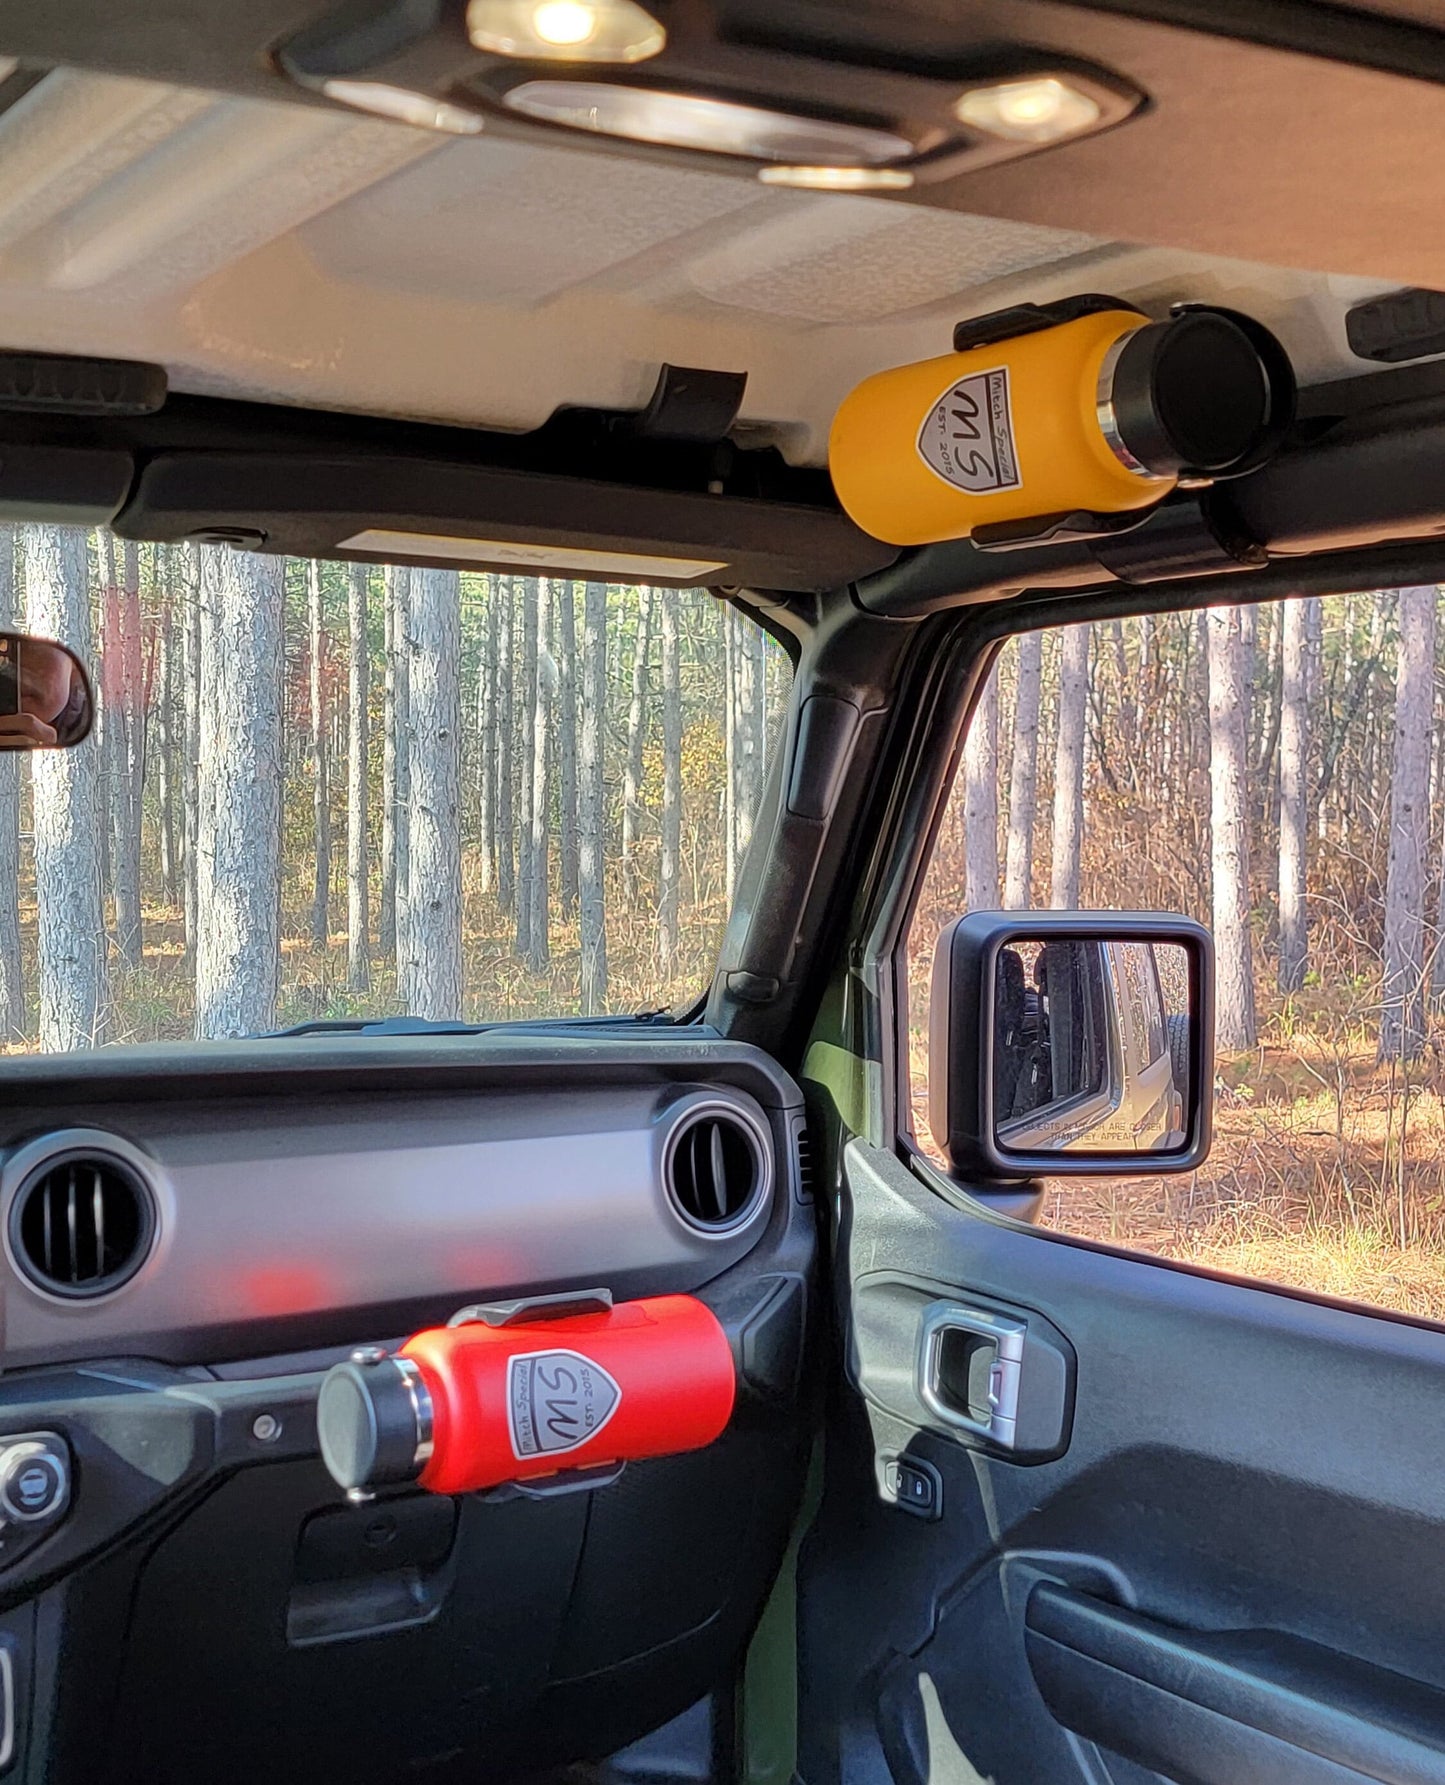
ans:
x=717 y=1168
x=82 y=1223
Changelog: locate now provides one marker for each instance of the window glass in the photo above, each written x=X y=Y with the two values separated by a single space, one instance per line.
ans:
x=1143 y=1008
x=321 y=792
x=1278 y=773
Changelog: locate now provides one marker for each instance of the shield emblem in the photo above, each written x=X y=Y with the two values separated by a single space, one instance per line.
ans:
x=967 y=437
x=557 y=1401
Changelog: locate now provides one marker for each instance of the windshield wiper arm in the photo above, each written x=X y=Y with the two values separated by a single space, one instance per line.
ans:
x=420 y=1025
x=376 y=1025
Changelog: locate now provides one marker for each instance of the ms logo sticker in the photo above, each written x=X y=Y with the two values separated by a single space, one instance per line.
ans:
x=967 y=436
x=556 y=1401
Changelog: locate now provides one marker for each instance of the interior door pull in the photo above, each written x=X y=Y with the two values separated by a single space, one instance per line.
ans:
x=970 y=1367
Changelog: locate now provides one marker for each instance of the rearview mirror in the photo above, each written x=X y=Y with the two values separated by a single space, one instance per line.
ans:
x=1066 y=1042
x=46 y=702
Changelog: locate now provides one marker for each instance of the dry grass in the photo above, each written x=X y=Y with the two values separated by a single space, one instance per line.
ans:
x=156 y=1001
x=1327 y=1172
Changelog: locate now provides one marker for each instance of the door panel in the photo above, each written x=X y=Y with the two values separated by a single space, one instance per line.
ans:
x=1231 y=1567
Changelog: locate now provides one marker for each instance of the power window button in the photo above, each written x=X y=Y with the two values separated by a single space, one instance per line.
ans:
x=914 y=1487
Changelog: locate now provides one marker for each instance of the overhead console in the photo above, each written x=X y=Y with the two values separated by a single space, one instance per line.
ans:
x=195 y=1237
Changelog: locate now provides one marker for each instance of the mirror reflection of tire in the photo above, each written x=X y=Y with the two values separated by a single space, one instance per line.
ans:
x=1178 y=1024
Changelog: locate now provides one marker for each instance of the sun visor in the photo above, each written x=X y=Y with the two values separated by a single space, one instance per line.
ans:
x=70 y=486
x=432 y=512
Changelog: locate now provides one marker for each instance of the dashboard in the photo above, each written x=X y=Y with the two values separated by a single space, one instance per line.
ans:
x=193 y=1235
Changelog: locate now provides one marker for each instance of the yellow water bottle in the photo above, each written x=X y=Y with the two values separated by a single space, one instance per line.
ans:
x=1040 y=412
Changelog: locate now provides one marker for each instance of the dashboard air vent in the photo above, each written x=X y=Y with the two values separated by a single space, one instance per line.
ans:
x=82 y=1224
x=805 y=1163
x=716 y=1169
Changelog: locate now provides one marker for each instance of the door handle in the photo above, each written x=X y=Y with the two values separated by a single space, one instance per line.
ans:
x=970 y=1366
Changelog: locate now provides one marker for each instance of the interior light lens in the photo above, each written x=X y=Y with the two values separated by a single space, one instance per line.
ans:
x=383 y=542
x=839 y=179
x=720 y=126
x=405 y=106
x=565 y=30
x=565 y=22
x=1034 y=111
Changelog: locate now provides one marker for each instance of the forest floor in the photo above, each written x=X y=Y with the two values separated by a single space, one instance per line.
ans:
x=156 y=1000
x=1327 y=1172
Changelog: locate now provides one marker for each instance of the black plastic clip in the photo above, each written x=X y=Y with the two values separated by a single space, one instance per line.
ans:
x=1053 y=529
x=534 y=1307
x=689 y=403
x=553 y=1487
x=1031 y=319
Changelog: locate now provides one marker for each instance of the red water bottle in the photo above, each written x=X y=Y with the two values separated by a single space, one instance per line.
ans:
x=515 y=1391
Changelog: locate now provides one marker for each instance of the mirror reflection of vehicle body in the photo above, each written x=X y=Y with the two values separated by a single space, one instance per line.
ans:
x=45 y=697
x=1087 y=1054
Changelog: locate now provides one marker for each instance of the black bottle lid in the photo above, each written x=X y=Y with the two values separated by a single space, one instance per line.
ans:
x=1206 y=394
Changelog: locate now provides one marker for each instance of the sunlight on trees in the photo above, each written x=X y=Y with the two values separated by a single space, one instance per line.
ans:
x=329 y=791
x=1279 y=774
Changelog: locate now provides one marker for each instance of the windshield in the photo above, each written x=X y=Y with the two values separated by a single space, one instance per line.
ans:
x=328 y=791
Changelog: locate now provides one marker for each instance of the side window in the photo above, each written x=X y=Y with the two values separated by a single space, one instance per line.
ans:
x=1277 y=772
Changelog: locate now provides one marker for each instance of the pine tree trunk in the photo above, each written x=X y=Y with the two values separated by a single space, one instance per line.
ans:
x=191 y=738
x=565 y=597
x=1024 y=776
x=431 y=977
x=358 y=720
x=591 y=791
x=1128 y=703
x=386 y=915
x=395 y=750
x=636 y=744
x=238 y=893
x=108 y=720
x=1402 y=1014
x=539 y=851
x=751 y=739
x=13 y=1017
x=980 y=802
x=487 y=739
x=671 y=863
x=1315 y=642
x=74 y=988
x=402 y=576
x=1229 y=829
x=1069 y=768
x=166 y=725
x=505 y=590
x=320 y=764
x=526 y=696
x=730 y=751
x=129 y=761
x=1294 y=744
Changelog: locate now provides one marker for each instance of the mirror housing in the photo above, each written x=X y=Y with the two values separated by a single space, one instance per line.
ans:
x=46 y=698
x=1140 y=1105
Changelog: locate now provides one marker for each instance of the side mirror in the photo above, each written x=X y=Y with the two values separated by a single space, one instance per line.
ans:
x=1071 y=1042
x=46 y=701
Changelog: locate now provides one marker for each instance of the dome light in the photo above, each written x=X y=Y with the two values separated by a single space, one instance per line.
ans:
x=719 y=126
x=1044 y=110
x=565 y=30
